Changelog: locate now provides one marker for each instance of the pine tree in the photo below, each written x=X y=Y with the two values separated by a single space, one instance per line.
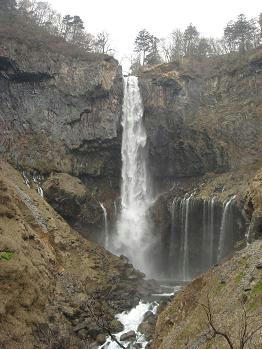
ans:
x=143 y=43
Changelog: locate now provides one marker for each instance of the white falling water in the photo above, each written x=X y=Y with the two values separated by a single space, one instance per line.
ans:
x=208 y=232
x=212 y=231
x=133 y=238
x=106 y=233
x=185 y=266
x=223 y=228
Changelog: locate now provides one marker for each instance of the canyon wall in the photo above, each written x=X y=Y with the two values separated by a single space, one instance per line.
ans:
x=62 y=114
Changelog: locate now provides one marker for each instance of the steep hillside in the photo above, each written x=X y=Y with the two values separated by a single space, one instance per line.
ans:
x=228 y=292
x=49 y=274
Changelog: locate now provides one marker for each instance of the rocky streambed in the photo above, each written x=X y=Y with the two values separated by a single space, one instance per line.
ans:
x=138 y=324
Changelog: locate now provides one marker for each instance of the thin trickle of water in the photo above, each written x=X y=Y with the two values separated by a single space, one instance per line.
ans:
x=223 y=228
x=115 y=209
x=106 y=232
x=133 y=238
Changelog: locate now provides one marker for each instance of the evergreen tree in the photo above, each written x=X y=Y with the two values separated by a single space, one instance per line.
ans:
x=191 y=39
x=143 y=43
x=153 y=57
x=239 y=34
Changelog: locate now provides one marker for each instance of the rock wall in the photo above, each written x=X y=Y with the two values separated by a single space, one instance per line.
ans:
x=59 y=113
x=62 y=114
x=204 y=118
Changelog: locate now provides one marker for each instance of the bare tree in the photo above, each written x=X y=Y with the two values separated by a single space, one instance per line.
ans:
x=249 y=325
x=102 y=43
x=98 y=316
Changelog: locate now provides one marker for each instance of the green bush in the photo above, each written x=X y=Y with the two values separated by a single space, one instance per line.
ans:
x=6 y=255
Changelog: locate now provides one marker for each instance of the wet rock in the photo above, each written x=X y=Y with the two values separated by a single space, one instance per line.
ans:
x=148 y=315
x=128 y=336
x=134 y=346
x=116 y=326
x=147 y=329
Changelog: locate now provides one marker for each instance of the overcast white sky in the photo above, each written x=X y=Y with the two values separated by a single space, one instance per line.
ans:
x=122 y=19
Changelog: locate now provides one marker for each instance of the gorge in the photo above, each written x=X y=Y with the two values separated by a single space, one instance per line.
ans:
x=108 y=181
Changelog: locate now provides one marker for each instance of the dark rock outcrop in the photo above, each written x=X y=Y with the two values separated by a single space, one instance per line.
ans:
x=201 y=119
x=59 y=113
x=71 y=198
x=62 y=114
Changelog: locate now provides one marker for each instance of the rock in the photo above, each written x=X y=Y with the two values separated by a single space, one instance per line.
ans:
x=101 y=339
x=259 y=265
x=134 y=346
x=93 y=330
x=71 y=199
x=82 y=334
x=68 y=311
x=128 y=336
x=146 y=329
x=247 y=287
x=82 y=325
x=116 y=326
x=148 y=315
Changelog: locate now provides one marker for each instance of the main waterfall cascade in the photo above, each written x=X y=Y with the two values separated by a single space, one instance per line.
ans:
x=133 y=228
x=203 y=232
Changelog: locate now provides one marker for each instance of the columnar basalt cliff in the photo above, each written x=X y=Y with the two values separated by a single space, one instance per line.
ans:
x=202 y=118
x=62 y=114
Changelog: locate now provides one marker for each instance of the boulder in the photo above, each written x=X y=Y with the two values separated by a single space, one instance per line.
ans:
x=116 y=326
x=101 y=339
x=128 y=336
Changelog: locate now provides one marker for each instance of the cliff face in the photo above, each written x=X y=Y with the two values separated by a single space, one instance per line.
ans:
x=202 y=119
x=59 y=113
x=204 y=129
x=62 y=114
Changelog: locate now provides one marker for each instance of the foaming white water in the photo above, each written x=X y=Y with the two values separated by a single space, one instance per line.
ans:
x=132 y=238
x=131 y=320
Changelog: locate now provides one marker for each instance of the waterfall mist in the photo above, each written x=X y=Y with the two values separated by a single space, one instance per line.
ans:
x=133 y=227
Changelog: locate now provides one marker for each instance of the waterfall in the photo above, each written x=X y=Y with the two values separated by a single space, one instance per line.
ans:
x=208 y=233
x=173 y=259
x=132 y=237
x=225 y=223
x=115 y=209
x=106 y=234
x=185 y=265
x=212 y=231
